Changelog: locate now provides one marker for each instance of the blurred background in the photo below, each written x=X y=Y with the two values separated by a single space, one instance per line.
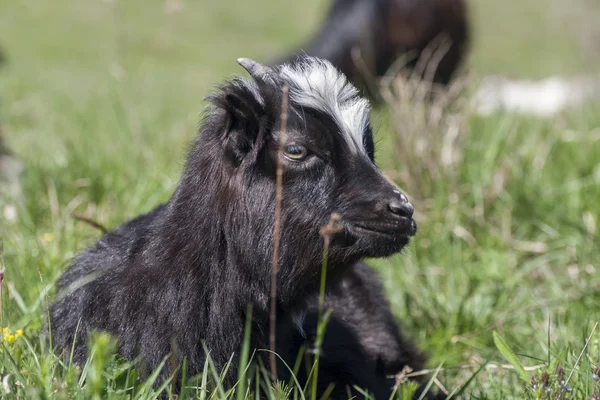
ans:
x=100 y=99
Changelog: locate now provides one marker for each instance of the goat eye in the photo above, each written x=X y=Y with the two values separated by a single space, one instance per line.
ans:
x=295 y=152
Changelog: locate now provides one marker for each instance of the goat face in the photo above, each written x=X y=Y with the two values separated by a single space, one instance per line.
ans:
x=328 y=166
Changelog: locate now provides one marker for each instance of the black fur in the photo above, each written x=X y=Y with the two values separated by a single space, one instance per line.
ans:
x=385 y=29
x=185 y=273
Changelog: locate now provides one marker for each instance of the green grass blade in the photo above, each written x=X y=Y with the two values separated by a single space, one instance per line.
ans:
x=430 y=383
x=460 y=389
x=510 y=356
x=241 y=386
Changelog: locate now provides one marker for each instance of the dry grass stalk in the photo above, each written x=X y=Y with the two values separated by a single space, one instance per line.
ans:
x=276 y=227
x=428 y=121
x=91 y=222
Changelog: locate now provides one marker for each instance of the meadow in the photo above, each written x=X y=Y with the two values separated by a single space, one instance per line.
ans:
x=501 y=286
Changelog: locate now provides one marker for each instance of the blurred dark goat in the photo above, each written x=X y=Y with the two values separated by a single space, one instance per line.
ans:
x=363 y=38
x=183 y=275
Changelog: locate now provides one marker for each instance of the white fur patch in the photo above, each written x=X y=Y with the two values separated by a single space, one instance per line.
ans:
x=317 y=84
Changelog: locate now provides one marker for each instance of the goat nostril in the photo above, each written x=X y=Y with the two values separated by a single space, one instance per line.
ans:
x=401 y=208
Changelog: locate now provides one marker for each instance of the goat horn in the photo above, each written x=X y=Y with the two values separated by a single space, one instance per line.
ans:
x=256 y=69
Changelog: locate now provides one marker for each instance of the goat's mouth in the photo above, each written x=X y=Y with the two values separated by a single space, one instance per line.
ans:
x=403 y=229
x=376 y=238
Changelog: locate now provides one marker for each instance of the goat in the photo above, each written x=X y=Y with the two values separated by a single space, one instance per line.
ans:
x=382 y=30
x=184 y=274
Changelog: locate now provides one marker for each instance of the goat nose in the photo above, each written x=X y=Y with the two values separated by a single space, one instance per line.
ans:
x=401 y=206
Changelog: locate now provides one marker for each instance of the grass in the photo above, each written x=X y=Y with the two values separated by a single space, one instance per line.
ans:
x=100 y=100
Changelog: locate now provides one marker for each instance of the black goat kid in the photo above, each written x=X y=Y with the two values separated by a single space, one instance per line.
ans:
x=185 y=273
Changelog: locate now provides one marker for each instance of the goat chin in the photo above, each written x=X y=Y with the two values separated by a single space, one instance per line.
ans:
x=179 y=279
x=374 y=242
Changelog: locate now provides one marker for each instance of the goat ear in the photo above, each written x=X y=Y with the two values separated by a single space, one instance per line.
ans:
x=245 y=123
